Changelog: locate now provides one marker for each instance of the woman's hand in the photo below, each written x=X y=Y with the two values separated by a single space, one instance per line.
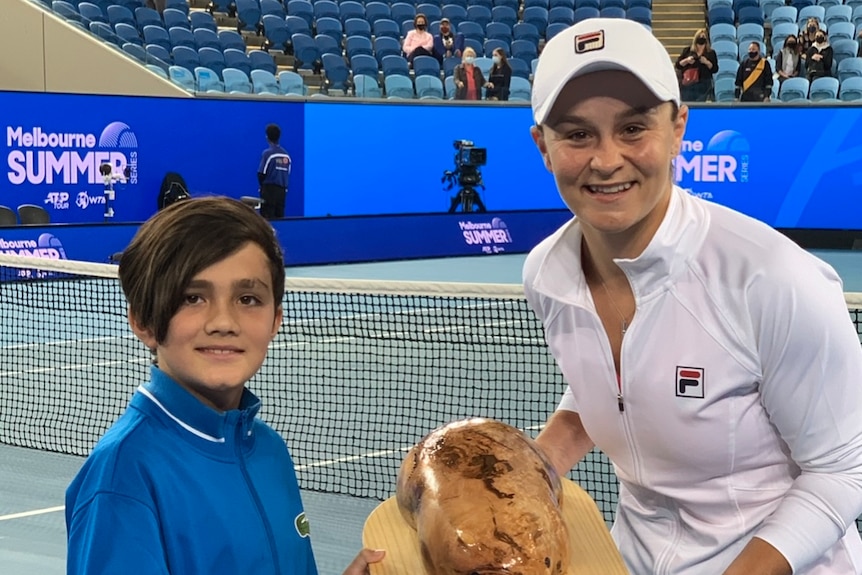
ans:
x=359 y=566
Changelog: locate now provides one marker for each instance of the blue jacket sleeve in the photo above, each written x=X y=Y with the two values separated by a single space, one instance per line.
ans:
x=459 y=42
x=114 y=534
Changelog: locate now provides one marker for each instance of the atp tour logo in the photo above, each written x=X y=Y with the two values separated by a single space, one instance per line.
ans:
x=723 y=159
x=492 y=236
x=46 y=246
x=37 y=156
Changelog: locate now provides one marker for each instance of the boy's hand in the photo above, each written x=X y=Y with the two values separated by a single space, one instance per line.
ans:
x=359 y=566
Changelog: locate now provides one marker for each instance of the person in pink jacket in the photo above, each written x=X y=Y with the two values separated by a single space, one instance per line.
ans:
x=419 y=41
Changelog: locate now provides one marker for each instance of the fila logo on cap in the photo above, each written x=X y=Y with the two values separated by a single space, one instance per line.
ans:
x=589 y=42
x=689 y=381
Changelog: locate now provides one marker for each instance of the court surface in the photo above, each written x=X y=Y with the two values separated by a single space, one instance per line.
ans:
x=32 y=530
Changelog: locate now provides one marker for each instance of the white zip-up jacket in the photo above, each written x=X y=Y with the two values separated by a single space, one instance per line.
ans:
x=741 y=387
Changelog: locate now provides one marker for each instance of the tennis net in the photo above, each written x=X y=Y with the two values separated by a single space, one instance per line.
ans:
x=359 y=372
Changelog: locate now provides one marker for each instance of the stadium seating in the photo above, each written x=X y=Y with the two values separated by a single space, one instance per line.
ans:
x=366 y=87
x=849 y=68
x=851 y=90
x=264 y=82
x=398 y=86
x=794 y=89
x=519 y=89
x=291 y=83
x=236 y=81
x=429 y=88
x=207 y=80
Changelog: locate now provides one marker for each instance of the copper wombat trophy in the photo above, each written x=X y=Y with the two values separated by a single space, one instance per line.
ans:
x=483 y=499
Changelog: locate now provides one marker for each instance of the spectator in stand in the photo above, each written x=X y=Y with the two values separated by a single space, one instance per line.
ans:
x=469 y=79
x=754 y=77
x=788 y=61
x=819 y=57
x=419 y=41
x=448 y=44
x=499 y=77
x=695 y=66
x=808 y=34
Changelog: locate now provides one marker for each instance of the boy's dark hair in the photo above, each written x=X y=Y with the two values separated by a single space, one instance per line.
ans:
x=273 y=133
x=179 y=242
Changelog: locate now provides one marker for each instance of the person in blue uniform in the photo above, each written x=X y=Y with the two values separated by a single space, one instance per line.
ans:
x=189 y=480
x=273 y=175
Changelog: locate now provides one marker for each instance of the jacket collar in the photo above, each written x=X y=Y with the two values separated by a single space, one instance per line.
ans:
x=174 y=402
x=674 y=244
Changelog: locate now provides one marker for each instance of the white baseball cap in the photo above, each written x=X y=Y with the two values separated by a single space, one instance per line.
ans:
x=598 y=44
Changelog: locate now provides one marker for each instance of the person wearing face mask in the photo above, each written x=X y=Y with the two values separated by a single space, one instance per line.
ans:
x=418 y=41
x=448 y=44
x=695 y=67
x=754 y=77
x=499 y=77
x=819 y=57
x=808 y=34
x=469 y=79
x=788 y=61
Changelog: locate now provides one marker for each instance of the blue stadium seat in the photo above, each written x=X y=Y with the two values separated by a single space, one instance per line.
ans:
x=513 y=4
x=710 y=4
x=449 y=65
x=783 y=30
x=857 y=15
x=528 y=32
x=456 y=15
x=587 y=4
x=206 y=39
x=236 y=82
x=182 y=77
x=640 y=14
x=536 y=3
x=519 y=90
x=849 y=68
x=725 y=89
x=726 y=50
x=477 y=46
x=536 y=16
x=481 y=15
x=273 y=7
x=386 y=28
x=386 y=46
x=740 y=4
x=129 y=33
x=851 y=90
x=357 y=27
x=787 y=14
x=398 y=86
x=841 y=31
x=580 y=14
x=278 y=32
x=105 y=32
x=432 y=12
x=426 y=66
x=721 y=15
x=136 y=51
x=395 y=66
x=520 y=67
x=449 y=87
x=365 y=65
x=147 y=17
x=727 y=68
x=325 y=9
x=212 y=59
x=843 y=49
x=181 y=5
x=401 y=12
x=793 y=89
x=524 y=50
x=238 y=60
x=376 y=10
x=472 y=30
x=327 y=44
x=491 y=45
x=750 y=15
x=553 y=30
x=157 y=35
x=301 y=9
x=612 y=12
x=747 y=33
x=306 y=53
x=156 y=52
x=291 y=83
x=505 y=14
x=722 y=32
x=207 y=80
x=330 y=27
x=356 y=45
x=827 y=3
x=565 y=3
x=131 y=5
x=264 y=82
x=158 y=70
x=248 y=14
x=366 y=87
x=335 y=73
x=640 y=4
x=429 y=88
x=807 y=12
x=484 y=64
x=180 y=36
x=229 y=39
x=840 y=13
x=499 y=31
x=177 y=18
x=567 y=16
x=91 y=13
x=351 y=9
x=825 y=88
x=769 y=7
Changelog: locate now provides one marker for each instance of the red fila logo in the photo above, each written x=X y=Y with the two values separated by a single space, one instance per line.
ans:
x=689 y=381
x=589 y=42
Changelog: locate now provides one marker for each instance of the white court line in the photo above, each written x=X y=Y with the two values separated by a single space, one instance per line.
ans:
x=32 y=513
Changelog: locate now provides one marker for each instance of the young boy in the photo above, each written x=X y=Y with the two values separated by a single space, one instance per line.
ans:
x=188 y=481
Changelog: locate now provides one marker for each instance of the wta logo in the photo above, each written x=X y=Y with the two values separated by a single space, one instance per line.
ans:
x=724 y=158
x=36 y=156
x=46 y=246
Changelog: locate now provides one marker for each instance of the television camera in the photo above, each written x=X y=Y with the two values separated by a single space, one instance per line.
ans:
x=467 y=176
